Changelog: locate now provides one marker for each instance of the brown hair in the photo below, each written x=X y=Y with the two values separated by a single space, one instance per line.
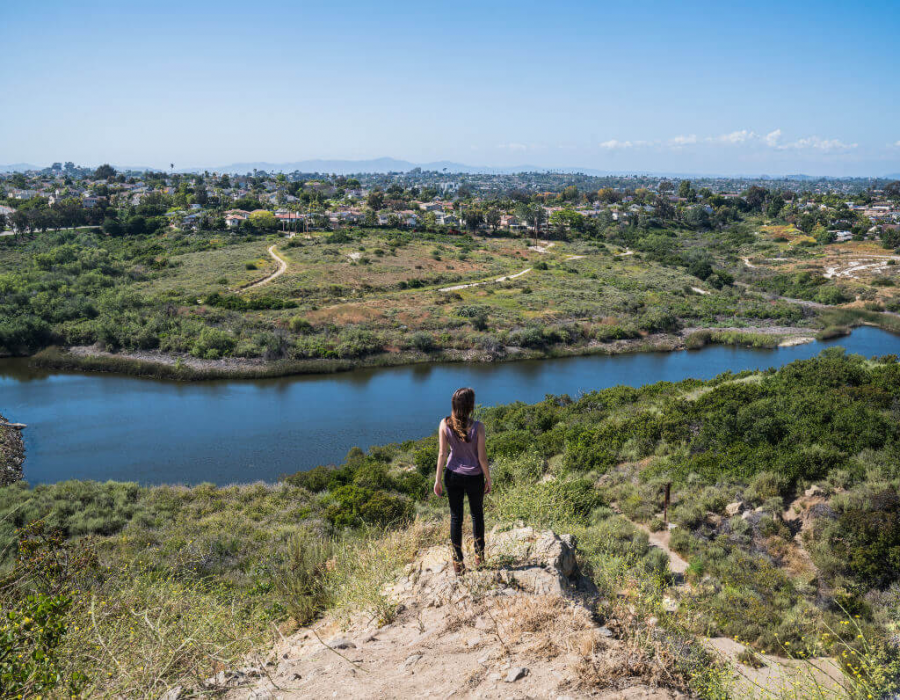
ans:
x=463 y=405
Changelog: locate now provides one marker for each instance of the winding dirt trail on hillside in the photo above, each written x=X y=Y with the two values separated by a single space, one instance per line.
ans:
x=282 y=266
x=478 y=284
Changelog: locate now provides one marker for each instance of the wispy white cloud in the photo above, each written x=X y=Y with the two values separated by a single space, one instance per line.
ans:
x=513 y=146
x=683 y=140
x=897 y=144
x=615 y=144
x=819 y=144
x=742 y=136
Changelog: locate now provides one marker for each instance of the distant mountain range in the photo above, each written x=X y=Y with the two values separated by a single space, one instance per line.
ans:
x=394 y=165
x=18 y=167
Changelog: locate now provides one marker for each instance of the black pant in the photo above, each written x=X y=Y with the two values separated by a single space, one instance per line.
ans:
x=458 y=487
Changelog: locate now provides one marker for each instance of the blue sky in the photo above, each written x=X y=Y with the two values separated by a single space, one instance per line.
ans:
x=759 y=87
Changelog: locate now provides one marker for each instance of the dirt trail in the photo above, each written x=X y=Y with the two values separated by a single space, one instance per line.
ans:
x=660 y=540
x=478 y=284
x=282 y=266
x=521 y=627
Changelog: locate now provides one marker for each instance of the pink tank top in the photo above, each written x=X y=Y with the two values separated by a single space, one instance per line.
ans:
x=463 y=457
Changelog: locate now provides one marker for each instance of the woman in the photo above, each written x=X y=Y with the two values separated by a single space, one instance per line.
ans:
x=463 y=451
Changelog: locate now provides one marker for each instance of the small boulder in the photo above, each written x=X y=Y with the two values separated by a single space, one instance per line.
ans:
x=341 y=643
x=516 y=673
x=733 y=509
x=814 y=491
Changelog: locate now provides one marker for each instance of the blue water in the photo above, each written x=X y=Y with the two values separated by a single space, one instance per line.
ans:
x=101 y=426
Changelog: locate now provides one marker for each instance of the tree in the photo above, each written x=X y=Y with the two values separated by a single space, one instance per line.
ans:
x=756 y=197
x=20 y=223
x=684 y=189
x=892 y=189
x=104 y=172
x=570 y=194
x=375 y=200
x=473 y=217
x=565 y=220
x=493 y=218
x=534 y=215
x=608 y=195
x=263 y=220
x=775 y=206
x=696 y=217
x=111 y=227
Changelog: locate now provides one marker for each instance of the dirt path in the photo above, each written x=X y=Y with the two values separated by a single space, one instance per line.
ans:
x=521 y=627
x=660 y=540
x=748 y=263
x=543 y=248
x=282 y=266
x=478 y=284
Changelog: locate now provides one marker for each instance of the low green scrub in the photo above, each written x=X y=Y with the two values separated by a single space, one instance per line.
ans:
x=699 y=339
x=220 y=565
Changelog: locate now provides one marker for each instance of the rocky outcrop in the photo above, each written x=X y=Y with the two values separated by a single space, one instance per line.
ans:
x=536 y=562
x=12 y=454
x=523 y=625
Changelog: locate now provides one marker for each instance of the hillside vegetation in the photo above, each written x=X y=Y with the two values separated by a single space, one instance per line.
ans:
x=784 y=491
x=385 y=296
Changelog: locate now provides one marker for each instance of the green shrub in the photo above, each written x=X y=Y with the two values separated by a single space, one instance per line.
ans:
x=421 y=341
x=212 y=344
x=425 y=458
x=298 y=324
x=766 y=485
x=31 y=634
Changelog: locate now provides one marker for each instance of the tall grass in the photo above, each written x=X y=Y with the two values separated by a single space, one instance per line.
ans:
x=702 y=338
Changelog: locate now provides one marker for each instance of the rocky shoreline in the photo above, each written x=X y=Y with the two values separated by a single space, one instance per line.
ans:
x=12 y=454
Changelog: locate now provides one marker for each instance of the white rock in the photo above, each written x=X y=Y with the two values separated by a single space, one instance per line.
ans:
x=669 y=604
x=733 y=509
x=515 y=674
x=172 y=693
x=813 y=491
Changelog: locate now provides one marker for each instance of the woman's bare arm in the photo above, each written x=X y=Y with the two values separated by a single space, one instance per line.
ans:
x=442 y=460
x=482 y=458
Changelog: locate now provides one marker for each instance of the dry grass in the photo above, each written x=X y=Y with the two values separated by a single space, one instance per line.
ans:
x=546 y=626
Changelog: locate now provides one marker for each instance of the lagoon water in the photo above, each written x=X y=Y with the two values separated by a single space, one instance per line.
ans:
x=102 y=426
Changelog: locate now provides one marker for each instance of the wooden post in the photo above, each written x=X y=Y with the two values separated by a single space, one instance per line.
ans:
x=666 y=502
